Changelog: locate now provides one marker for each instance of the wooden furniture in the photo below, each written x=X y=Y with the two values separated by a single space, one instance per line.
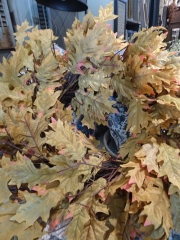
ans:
x=132 y=16
x=120 y=7
x=176 y=20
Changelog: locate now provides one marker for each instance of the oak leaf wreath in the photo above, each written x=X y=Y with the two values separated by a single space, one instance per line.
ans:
x=51 y=172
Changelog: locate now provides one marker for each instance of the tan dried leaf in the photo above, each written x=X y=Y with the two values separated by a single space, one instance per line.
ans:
x=94 y=107
x=23 y=171
x=8 y=228
x=35 y=207
x=65 y=140
x=21 y=33
x=148 y=156
x=5 y=192
x=170 y=163
x=137 y=117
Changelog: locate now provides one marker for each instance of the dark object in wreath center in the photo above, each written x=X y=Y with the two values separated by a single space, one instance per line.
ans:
x=64 y=5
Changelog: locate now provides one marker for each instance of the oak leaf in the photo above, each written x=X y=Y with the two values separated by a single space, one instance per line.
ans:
x=5 y=193
x=62 y=113
x=65 y=140
x=106 y=14
x=44 y=101
x=137 y=117
x=21 y=32
x=10 y=70
x=133 y=144
x=80 y=210
x=88 y=22
x=117 y=183
x=15 y=96
x=123 y=86
x=23 y=171
x=6 y=211
x=149 y=39
x=23 y=128
x=48 y=70
x=94 y=107
x=137 y=174
x=35 y=207
x=158 y=211
x=94 y=230
x=95 y=81
x=41 y=41
x=170 y=159
x=148 y=156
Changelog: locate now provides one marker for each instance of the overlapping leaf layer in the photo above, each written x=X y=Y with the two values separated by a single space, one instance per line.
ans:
x=50 y=171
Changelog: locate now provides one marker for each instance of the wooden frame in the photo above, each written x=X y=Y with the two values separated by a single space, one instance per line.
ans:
x=120 y=22
x=6 y=30
x=14 y=12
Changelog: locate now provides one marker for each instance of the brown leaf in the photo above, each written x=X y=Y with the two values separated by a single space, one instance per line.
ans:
x=5 y=193
x=65 y=140
x=35 y=207
x=137 y=117
x=148 y=156
x=137 y=174
x=9 y=228
x=170 y=159
x=23 y=171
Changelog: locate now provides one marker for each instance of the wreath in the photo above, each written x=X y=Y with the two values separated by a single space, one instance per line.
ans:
x=52 y=172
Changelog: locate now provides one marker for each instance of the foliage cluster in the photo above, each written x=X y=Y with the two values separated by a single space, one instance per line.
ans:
x=51 y=171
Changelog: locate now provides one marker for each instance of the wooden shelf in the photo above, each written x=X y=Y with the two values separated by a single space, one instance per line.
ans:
x=132 y=22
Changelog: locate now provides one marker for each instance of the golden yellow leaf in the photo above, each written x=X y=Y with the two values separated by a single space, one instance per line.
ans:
x=23 y=171
x=48 y=70
x=117 y=183
x=21 y=33
x=133 y=144
x=94 y=230
x=158 y=209
x=137 y=117
x=123 y=87
x=35 y=207
x=25 y=129
x=148 y=156
x=170 y=159
x=9 y=229
x=41 y=41
x=81 y=208
x=95 y=81
x=62 y=113
x=65 y=140
x=5 y=192
x=10 y=70
x=88 y=22
x=44 y=101
x=147 y=40
x=6 y=211
x=168 y=100
x=137 y=174
x=93 y=107
x=106 y=14
x=80 y=218
x=16 y=95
